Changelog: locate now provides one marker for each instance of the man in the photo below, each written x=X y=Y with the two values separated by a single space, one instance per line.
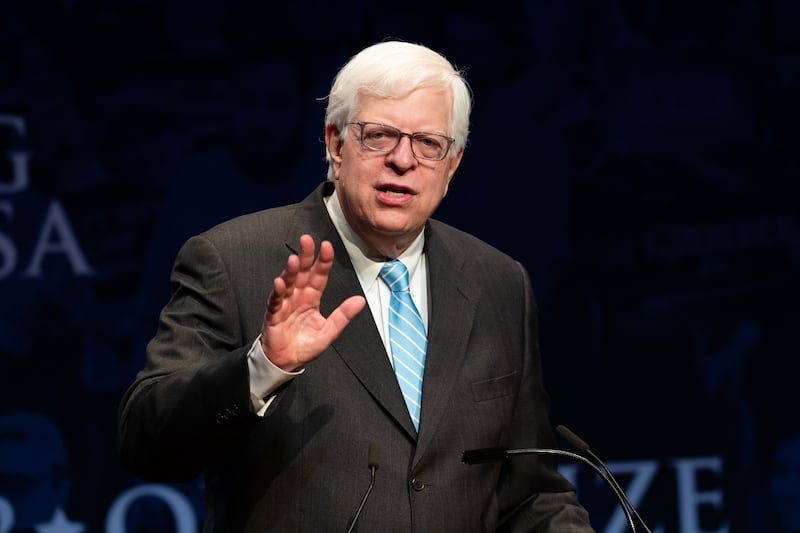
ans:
x=289 y=405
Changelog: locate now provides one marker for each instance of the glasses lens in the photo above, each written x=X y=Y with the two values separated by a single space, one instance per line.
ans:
x=380 y=137
x=386 y=138
x=429 y=145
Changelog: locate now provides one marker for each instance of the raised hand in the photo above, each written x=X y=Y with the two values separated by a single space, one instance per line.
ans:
x=294 y=331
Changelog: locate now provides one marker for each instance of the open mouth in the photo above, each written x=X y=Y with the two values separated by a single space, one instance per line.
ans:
x=395 y=191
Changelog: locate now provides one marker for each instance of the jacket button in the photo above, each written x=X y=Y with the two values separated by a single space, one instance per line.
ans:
x=222 y=418
x=417 y=484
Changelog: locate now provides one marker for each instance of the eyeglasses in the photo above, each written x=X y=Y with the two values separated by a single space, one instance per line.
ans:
x=383 y=138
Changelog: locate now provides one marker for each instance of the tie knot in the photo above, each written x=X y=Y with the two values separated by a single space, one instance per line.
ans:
x=395 y=274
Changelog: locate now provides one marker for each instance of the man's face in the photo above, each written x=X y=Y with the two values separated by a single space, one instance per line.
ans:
x=387 y=196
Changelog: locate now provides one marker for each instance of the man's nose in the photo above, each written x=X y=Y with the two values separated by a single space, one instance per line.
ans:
x=403 y=154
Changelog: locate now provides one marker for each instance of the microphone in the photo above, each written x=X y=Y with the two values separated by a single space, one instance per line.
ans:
x=486 y=455
x=372 y=461
x=581 y=446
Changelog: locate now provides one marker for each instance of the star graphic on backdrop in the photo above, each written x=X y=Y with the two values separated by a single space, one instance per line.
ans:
x=60 y=524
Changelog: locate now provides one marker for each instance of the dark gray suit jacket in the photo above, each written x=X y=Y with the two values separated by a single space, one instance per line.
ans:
x=303 y=467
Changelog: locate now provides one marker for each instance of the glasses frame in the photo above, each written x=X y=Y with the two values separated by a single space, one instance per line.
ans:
x=400 y=136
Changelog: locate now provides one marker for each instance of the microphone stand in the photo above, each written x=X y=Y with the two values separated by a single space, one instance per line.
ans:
x=581 y=445
x=485 y=455
x=373 y=467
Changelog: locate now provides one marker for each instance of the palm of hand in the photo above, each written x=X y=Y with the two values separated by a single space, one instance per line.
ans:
x=294 y=331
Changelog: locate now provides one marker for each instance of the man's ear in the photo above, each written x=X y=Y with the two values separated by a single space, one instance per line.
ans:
x=453 y=166
x=333 y=143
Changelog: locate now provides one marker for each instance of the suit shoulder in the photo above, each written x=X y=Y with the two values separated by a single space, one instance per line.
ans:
x=270 y=216
x=264 y=224
x=468 y=244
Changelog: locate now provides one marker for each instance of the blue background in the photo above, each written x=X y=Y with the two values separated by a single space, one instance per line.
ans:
x=636 y=156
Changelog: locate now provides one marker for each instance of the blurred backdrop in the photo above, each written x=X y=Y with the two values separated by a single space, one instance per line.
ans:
x=635 y=155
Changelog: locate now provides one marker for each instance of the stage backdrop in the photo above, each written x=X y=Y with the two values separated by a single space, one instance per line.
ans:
x=636 y=157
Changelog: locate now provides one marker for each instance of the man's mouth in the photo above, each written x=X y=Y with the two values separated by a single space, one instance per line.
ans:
x=388 y=190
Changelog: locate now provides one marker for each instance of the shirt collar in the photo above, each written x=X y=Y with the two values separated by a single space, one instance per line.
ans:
x=367 y=269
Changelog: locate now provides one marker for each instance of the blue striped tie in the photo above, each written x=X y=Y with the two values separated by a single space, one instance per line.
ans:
x=407 y=337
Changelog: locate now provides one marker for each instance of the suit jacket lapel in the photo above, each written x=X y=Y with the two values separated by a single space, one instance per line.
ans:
x=450 y=296
x=360 y=346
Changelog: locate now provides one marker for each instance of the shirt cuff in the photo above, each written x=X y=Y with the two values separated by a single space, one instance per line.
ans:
x=265 y=377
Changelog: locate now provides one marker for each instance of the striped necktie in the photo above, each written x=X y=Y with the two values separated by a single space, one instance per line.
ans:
x=407 y=337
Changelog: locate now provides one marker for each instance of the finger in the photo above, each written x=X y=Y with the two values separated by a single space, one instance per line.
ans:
x=352 y=306
x=322 y=266
x=306 y=252
x=290 y=274
x=305 y=260
x=275 y=299
x=325 y=252
x=342 y=315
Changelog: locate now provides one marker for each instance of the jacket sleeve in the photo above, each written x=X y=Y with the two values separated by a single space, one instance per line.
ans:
x=533 y=495
x=190 y=402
